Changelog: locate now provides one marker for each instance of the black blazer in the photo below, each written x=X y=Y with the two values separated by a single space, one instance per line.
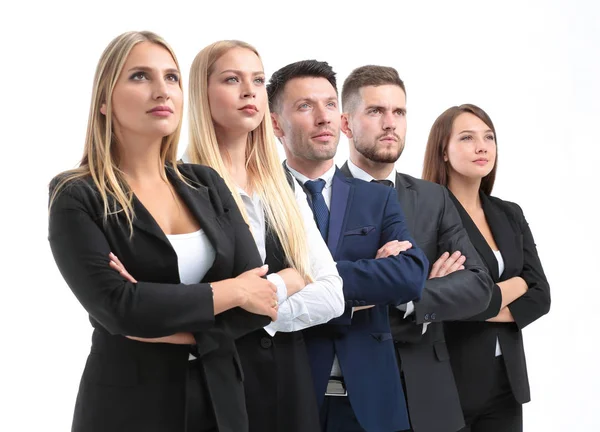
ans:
x=432 y=219
x=129 y=385
x=278 y=384
x=472 y=344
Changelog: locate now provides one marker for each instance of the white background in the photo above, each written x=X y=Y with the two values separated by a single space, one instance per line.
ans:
x=533 y=67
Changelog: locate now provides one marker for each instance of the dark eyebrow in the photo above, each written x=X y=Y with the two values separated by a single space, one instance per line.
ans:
x=472 y=132
x=147 y=69
x=241 y=73
x=312 y=100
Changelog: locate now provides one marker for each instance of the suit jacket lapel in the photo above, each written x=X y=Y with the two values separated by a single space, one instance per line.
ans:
x=340 y=200
x=502 y=232
x=197 y=199
x=408 y=201
x=477 y=239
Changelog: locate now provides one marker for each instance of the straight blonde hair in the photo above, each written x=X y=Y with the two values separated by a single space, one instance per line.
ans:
x=99 y=159
x=265 y=173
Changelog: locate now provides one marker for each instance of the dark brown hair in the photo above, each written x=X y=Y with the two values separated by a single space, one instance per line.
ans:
x=300 y=69
x=364 y=76
x=435 y=169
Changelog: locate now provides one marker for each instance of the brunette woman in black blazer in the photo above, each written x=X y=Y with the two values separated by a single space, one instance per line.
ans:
x=486 y=352
x=177 y=229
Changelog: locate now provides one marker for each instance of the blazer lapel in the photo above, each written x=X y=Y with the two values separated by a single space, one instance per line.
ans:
x=477 y=239
x=340 y=200
x=198 y=201
x=408 y=201
x=502 y=232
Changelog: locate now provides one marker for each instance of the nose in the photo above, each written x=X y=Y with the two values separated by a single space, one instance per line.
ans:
x=389 y=121
x=160 y=90
x=322 y=116
x=248 y=91
x=480 y=146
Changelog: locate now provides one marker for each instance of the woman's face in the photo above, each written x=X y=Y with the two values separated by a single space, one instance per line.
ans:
x=471 y=150
x=147 y=100
x=236 y=92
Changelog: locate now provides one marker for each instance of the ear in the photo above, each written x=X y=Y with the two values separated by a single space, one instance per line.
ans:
x=345 y=125
x=445 y=157
x=103 y=108
x=276 y=127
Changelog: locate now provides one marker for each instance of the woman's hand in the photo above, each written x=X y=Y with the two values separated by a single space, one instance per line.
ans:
x=294 y=282
x=255 y=294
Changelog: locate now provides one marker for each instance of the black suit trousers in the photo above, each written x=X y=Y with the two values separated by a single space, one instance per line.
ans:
x=497 y=411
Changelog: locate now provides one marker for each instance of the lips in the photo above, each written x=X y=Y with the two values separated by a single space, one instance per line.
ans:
x=162 y=108
x=389 y=138
x=481 y=161
x=249 y=108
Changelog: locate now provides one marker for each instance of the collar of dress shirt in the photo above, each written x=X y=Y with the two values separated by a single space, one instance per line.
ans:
x=327 y=175
x=363 y=175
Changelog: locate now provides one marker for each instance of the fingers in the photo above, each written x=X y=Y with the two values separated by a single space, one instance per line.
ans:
x=393 y=248
x=435 y=269
x=457 y=265
x=258 y=271
x=357 y=308
x=447 y=264
x=121 y=270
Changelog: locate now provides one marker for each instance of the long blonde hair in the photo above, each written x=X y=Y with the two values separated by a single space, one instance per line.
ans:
x=99 y=158
x=265 y=173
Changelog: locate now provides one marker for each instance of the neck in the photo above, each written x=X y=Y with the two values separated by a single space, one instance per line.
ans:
x=378 y=170
x=309 y=168
x=466 y=190
x=233 y=153
x=139 y=159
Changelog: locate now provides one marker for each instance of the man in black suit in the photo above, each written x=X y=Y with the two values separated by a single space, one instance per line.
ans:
x=374 y=120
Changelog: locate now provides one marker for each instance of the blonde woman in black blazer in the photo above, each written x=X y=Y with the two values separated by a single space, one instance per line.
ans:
x=487 y=352
x=130 y=199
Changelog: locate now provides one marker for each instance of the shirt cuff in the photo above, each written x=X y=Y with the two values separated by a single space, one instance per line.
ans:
x=407 y=308
x=278 y=281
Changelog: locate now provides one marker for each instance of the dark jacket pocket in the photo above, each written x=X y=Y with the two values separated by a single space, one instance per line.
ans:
x=381 y=336
x=360 y=231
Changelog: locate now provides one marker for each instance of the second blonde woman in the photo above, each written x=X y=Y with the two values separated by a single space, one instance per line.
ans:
x=230 y=130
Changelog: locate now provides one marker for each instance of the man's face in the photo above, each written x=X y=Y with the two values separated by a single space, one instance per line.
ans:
x=308 y=122
x=377 y=124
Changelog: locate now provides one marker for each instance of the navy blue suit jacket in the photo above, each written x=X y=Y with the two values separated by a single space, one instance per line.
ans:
x=364 y=217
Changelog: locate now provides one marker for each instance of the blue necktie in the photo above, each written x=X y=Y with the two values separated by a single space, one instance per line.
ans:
x=319 y=207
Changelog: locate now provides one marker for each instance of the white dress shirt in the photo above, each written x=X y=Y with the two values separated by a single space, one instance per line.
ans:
x=319 y=301
x=500 y=260
x=195 y=256
x=407 y=308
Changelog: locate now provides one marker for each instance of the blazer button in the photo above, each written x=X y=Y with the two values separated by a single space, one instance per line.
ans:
x=266 y=343
x=432 y=316
x=426 y=317
x=364 y=230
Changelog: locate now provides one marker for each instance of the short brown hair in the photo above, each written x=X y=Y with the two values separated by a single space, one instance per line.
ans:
x=435 y=169
x=365 y=76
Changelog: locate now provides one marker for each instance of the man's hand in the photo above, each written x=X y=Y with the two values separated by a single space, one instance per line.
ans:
x=447 y=264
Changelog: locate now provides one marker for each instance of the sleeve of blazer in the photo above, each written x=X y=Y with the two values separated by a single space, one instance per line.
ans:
x=536 y=301
x=461 y=294
x=392 y=280
x=140 y=309
x=238 y=322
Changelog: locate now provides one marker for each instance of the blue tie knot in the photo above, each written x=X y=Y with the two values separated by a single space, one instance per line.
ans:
x=315 y=186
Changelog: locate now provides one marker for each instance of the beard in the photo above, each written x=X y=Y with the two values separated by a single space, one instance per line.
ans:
x=377 y=154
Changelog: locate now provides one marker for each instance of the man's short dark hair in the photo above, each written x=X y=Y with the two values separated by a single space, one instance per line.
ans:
x=365 y=76
x=301 y=69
